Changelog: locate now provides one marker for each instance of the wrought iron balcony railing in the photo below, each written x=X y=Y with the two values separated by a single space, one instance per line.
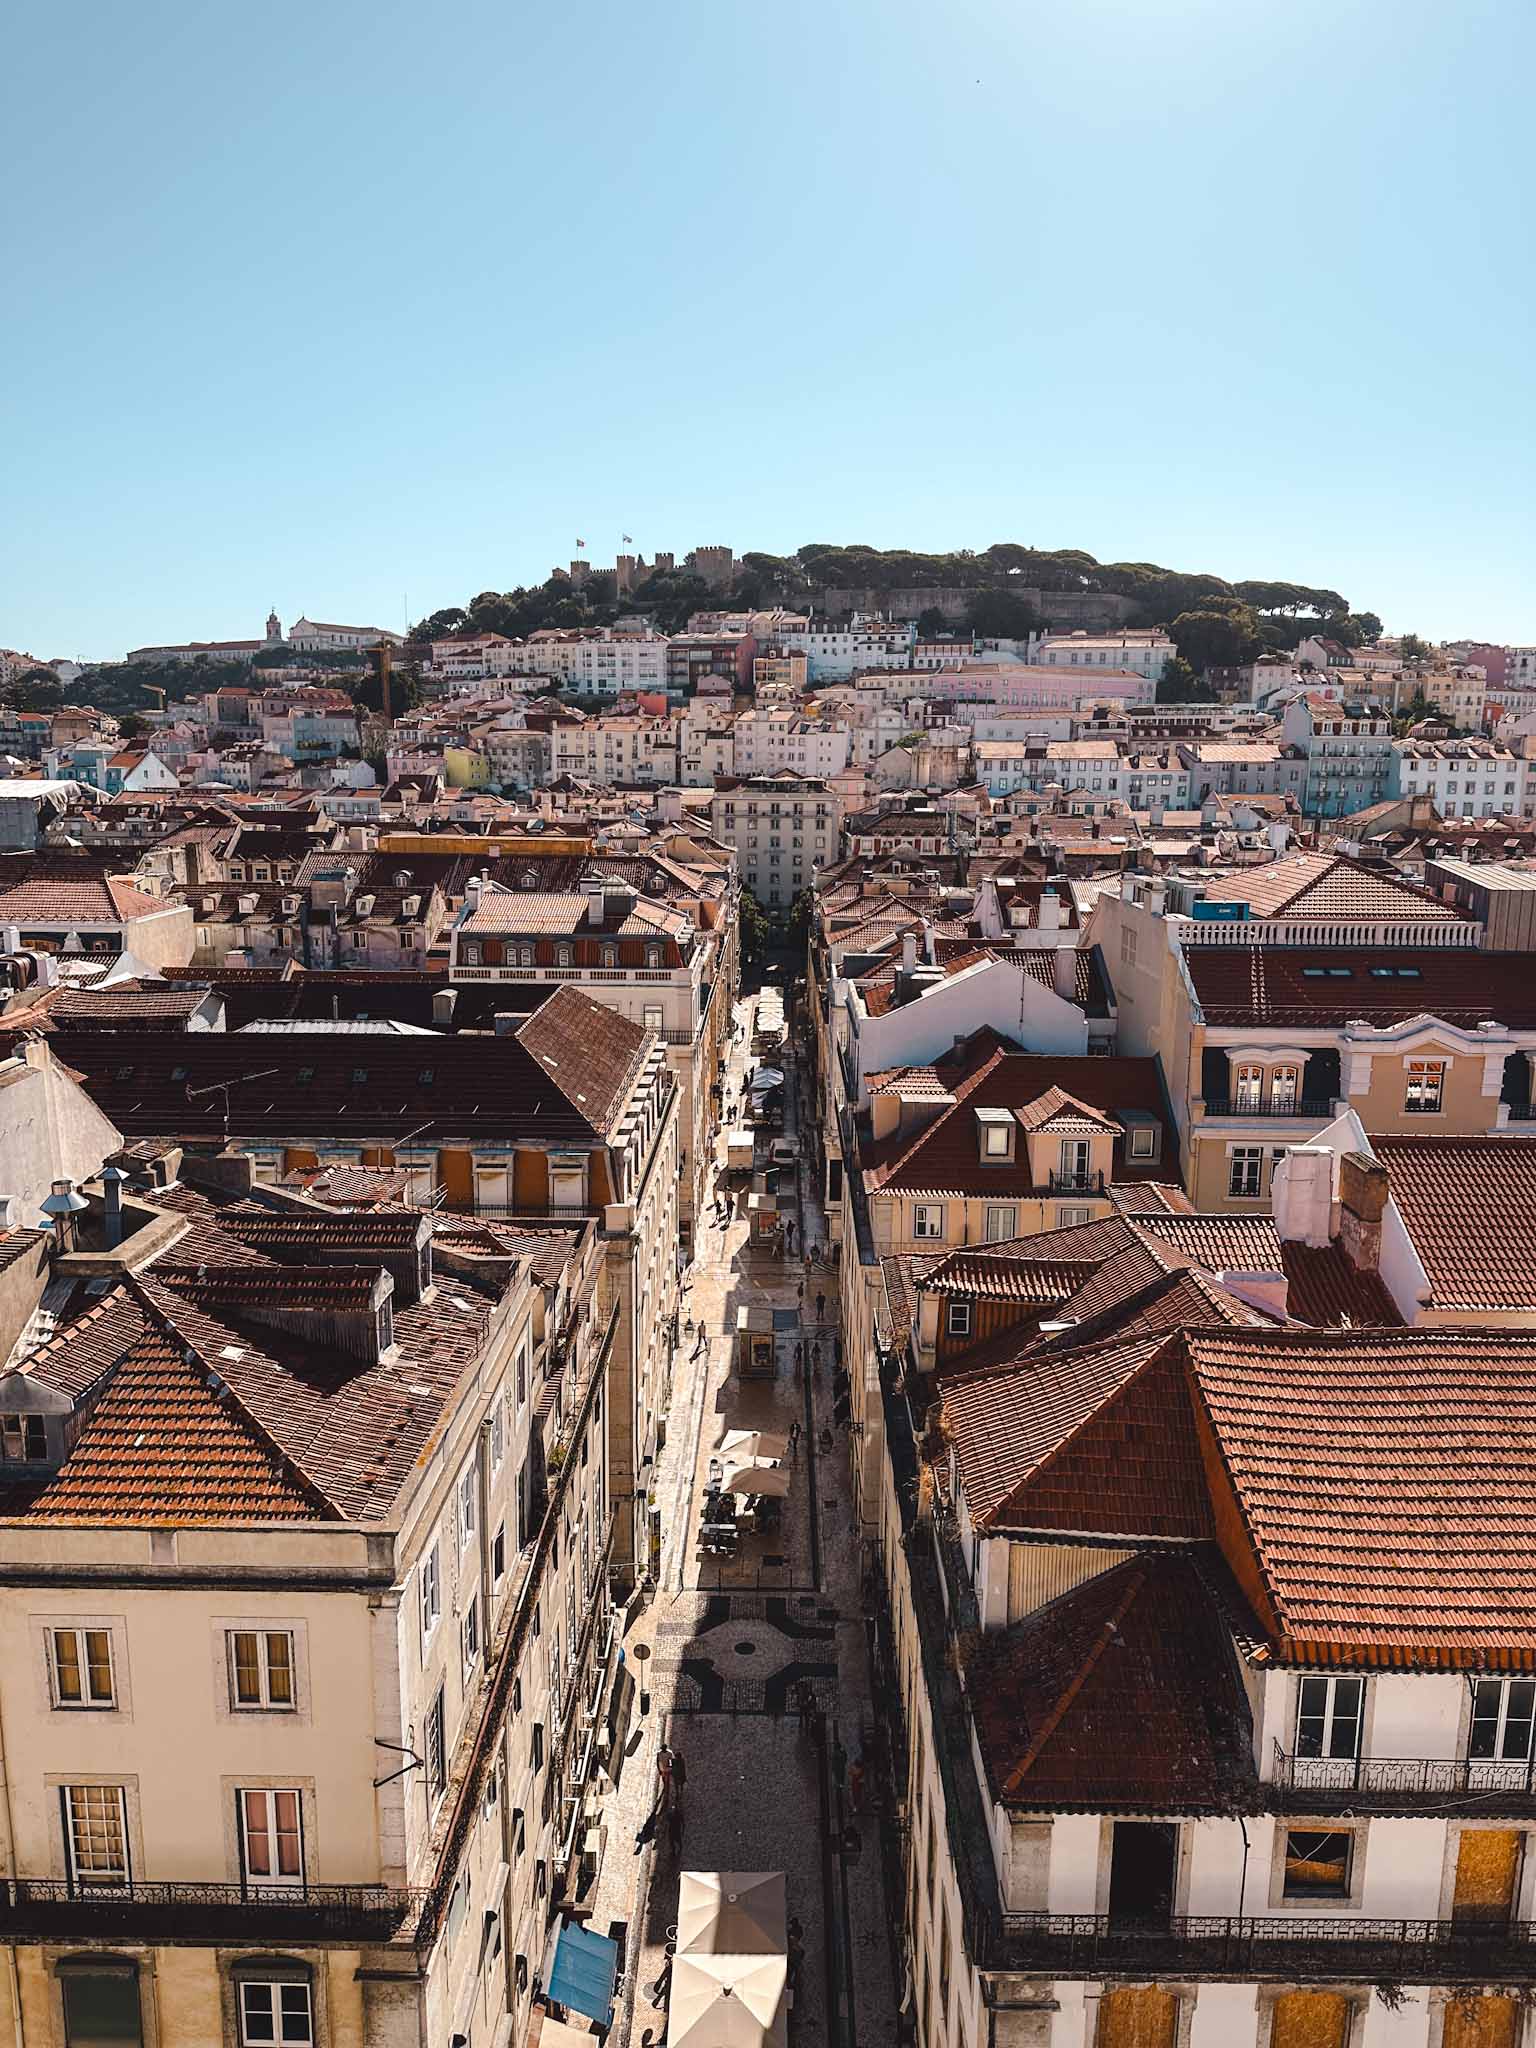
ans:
x=1075 y=1183
x=1274 y=1946
x=1300 y=1106
x=57 y=1909
x=1312 y=1782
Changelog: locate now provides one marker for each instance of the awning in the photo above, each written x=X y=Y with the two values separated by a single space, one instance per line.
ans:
x=584 y=1970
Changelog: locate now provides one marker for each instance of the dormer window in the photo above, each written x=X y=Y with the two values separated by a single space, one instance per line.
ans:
x=563 y=956
x=995 y=1131
x=23 y=1439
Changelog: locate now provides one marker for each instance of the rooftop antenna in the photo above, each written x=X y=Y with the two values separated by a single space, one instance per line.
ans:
x=223 y=1088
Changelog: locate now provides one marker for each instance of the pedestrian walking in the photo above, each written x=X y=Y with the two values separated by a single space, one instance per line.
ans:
x=799 y=1359
x=675 y=1831
x=825 y=1441
x=794 y=1428
x=856 y=1784
x=664 y=1773
x=789 y=1235
x=800 y=1297
x=821 y=1308
x=816 y=1360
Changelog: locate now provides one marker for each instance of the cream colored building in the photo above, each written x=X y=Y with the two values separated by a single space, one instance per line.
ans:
x=783 y=828
x=304 y=1631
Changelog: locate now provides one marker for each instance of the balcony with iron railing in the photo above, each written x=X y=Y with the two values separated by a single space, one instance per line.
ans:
x=1295 y=1109
x=1060 y=1182
x=1398 y=1784
x=344 y=1915
x=1274 y=1947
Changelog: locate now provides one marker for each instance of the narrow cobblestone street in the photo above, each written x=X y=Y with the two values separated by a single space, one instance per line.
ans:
x=720 y=1650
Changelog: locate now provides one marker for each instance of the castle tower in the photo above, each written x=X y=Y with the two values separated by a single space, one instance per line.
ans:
x=274 y=629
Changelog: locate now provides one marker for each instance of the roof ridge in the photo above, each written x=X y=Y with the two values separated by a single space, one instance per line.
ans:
x=156 y=1298
x=1109 y=1630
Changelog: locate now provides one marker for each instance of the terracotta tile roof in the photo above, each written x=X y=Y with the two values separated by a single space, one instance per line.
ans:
x=1328 y=886
x=112 y=1008
x=1328 y=985
x=943 y=1157
x=985 y=1276
x=165 y=1443
x=64 y=891
x=1006 y=1424
x=1387 y=1481
x=76 y=1356
x=1122 y=1694
x=1470 y=1207
x=1055 y=1110
x=351 y=1187
x=1144 y=1197
x=206 y=1241
x=590 y=1053
x=315 y=1084
x=531 y=910
x=1327 y=1290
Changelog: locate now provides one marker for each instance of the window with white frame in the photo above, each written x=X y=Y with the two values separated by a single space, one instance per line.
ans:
x=999 y=1221
x=928 y=1220
x=260 y=1669
x=275 y=2009
x=271 y=1834
x=1328 y=1717
x=1425 y=1089
x=467 y=1518
x=958 y=1319
x=80 y=1667
x=1318 y=1863
x=23 y=1439
x=1248 y=1087
x=96 y=1834
x=469 y=1635
x=1503 y=1712
x=1142 y=1141
x=498 y=1432
x=431 y=1594
x=435 y=1751
x=1245 y=1172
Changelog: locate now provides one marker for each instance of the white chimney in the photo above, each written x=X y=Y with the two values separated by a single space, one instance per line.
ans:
x=1050 y=910
x=1064 y=970
x=1301 y=1195
x=909 y=951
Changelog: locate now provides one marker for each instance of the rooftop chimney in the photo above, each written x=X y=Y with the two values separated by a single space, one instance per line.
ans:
x=1363 y=1190
x=443 y=1001
x=1301 y=1195
x=1064 y=972
x=908 y=951
x=1050 y=910
x=112 y=1179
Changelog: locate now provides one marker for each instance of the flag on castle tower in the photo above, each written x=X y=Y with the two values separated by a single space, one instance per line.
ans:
x=629 y=540
x=581 y=543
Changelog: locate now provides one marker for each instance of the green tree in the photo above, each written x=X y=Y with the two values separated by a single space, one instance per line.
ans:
x=1211 y=638
x=1002 y=615
x=404 y=688
x=131 y=727
x=931 y=624
x=1413 y=648
x=756 y=936
x=1179 y=684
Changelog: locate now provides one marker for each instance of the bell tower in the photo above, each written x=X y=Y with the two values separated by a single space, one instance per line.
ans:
x=274 y=629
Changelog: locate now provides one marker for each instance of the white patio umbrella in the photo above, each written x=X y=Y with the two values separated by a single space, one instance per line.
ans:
x=727 y=2002
x=761 y=1479
x=741 y=1446
x=731 y=1912
x=765 y=1078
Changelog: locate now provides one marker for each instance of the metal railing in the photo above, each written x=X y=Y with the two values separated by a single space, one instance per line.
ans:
x=1300 y=1106
x=1075 y=1183
x=57 y=1909
x=1424 y=1951
x=1305 y=1780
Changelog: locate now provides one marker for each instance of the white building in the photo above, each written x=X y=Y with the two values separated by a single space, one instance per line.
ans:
x=602 y=663
x=1144 y=653
x=770 y=741
x=312 y=636
x=834 y=652
x=1463 y=778
x=784 y=829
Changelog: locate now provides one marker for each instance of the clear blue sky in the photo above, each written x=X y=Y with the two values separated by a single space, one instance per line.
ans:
x=326 y=305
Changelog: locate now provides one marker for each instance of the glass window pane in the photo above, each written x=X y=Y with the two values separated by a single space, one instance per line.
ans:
x=247 y=1669
x=280 y=1669
x=98 y=1660
x=66 y=1664
x=101 y=2007
x=257 y=2017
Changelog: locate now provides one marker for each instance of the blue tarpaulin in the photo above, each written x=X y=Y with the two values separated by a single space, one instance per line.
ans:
x=584 y=1970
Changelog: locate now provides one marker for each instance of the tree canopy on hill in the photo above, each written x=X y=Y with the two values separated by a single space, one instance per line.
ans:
x=1005 y=570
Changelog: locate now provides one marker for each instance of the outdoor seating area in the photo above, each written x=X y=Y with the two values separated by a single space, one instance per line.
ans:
x=746 y=1484
x=730 y=1965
